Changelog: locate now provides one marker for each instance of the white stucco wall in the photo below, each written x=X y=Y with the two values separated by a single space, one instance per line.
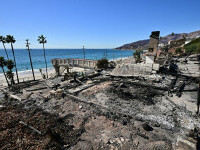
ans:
x=149 y=59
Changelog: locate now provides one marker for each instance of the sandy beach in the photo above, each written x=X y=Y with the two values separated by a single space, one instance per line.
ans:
x=27 y=75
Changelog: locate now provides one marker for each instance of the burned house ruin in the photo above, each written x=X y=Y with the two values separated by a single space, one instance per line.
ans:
x=154 y=41
x=153 y=47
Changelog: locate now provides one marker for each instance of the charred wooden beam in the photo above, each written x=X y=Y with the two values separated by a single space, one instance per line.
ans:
x=149 y=86
x=178 y=75
x=173 y=83
x=30 y=127
x=180 y=89
x=161 y=88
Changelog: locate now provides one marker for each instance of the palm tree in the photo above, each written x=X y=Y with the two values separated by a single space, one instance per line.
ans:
x=10 y=39
x=42 y=40
x=2 y=64
x=10 y=64
x=3 y=41
x=27 y=45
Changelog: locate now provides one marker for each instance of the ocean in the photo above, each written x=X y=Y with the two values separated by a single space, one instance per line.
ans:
x=37 y=55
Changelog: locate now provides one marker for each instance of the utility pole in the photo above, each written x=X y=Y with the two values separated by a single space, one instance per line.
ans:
x=113 y=55
x=84 y=52
x=27 y=45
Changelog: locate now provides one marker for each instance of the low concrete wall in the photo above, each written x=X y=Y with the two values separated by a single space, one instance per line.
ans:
x=74 y=62
x=128 y=70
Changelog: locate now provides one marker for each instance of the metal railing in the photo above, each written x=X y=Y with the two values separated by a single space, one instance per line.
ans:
x=74 y=62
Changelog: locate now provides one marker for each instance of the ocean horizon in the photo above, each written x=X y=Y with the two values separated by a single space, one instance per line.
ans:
x=37 y=55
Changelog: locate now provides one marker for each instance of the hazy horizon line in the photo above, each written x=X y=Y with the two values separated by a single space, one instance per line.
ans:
x=58 y=48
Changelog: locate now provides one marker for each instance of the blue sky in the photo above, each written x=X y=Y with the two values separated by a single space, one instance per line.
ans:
x=95 y=23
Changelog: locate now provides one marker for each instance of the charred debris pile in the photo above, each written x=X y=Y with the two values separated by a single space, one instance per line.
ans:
x=100 y=111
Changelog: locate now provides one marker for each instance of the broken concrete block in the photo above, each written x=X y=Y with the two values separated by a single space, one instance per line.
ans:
x=156 y=67
x=154 y=72
x=52 y=93
x=59 y=95
x=185 y=143
x=136 y=142
x=59 y=91
x=26 y=94
x=36 y=96
x=15 y=97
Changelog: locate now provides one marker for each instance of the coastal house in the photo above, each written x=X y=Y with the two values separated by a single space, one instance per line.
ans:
x=187 y=41
x=161 y=45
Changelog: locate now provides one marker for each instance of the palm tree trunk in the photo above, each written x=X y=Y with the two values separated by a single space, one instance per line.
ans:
x=5 y=76
x=45 y=60
x=13 y=81
x=31 y=64
x=15 y=62
x=5 y=51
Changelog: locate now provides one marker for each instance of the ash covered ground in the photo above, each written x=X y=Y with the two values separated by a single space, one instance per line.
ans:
x=102 y=112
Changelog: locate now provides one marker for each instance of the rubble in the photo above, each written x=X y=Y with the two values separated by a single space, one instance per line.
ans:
x=112 y=109
x=42 y=131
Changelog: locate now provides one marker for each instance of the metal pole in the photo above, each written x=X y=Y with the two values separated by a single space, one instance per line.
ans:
x=113 y=55
x=84 y=51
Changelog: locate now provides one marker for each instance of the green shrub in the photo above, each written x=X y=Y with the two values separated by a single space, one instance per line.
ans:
x=136 y=55
x=102 y=63
x=179 y=50
x=177 y=43
x=165 y=48
x=193 y=47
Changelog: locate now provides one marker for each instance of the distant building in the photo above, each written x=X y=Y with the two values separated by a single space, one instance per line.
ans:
x=145 y=51
x=161 y=45
x=169 y=42
x=188 y=41
x=197 y=36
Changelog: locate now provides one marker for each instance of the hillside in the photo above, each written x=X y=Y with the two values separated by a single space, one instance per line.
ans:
x=143 y=44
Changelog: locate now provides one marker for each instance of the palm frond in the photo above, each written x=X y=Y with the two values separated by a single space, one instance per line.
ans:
x=41 y=39
x=2 y=61
x=10 y=64
x=10 y=39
